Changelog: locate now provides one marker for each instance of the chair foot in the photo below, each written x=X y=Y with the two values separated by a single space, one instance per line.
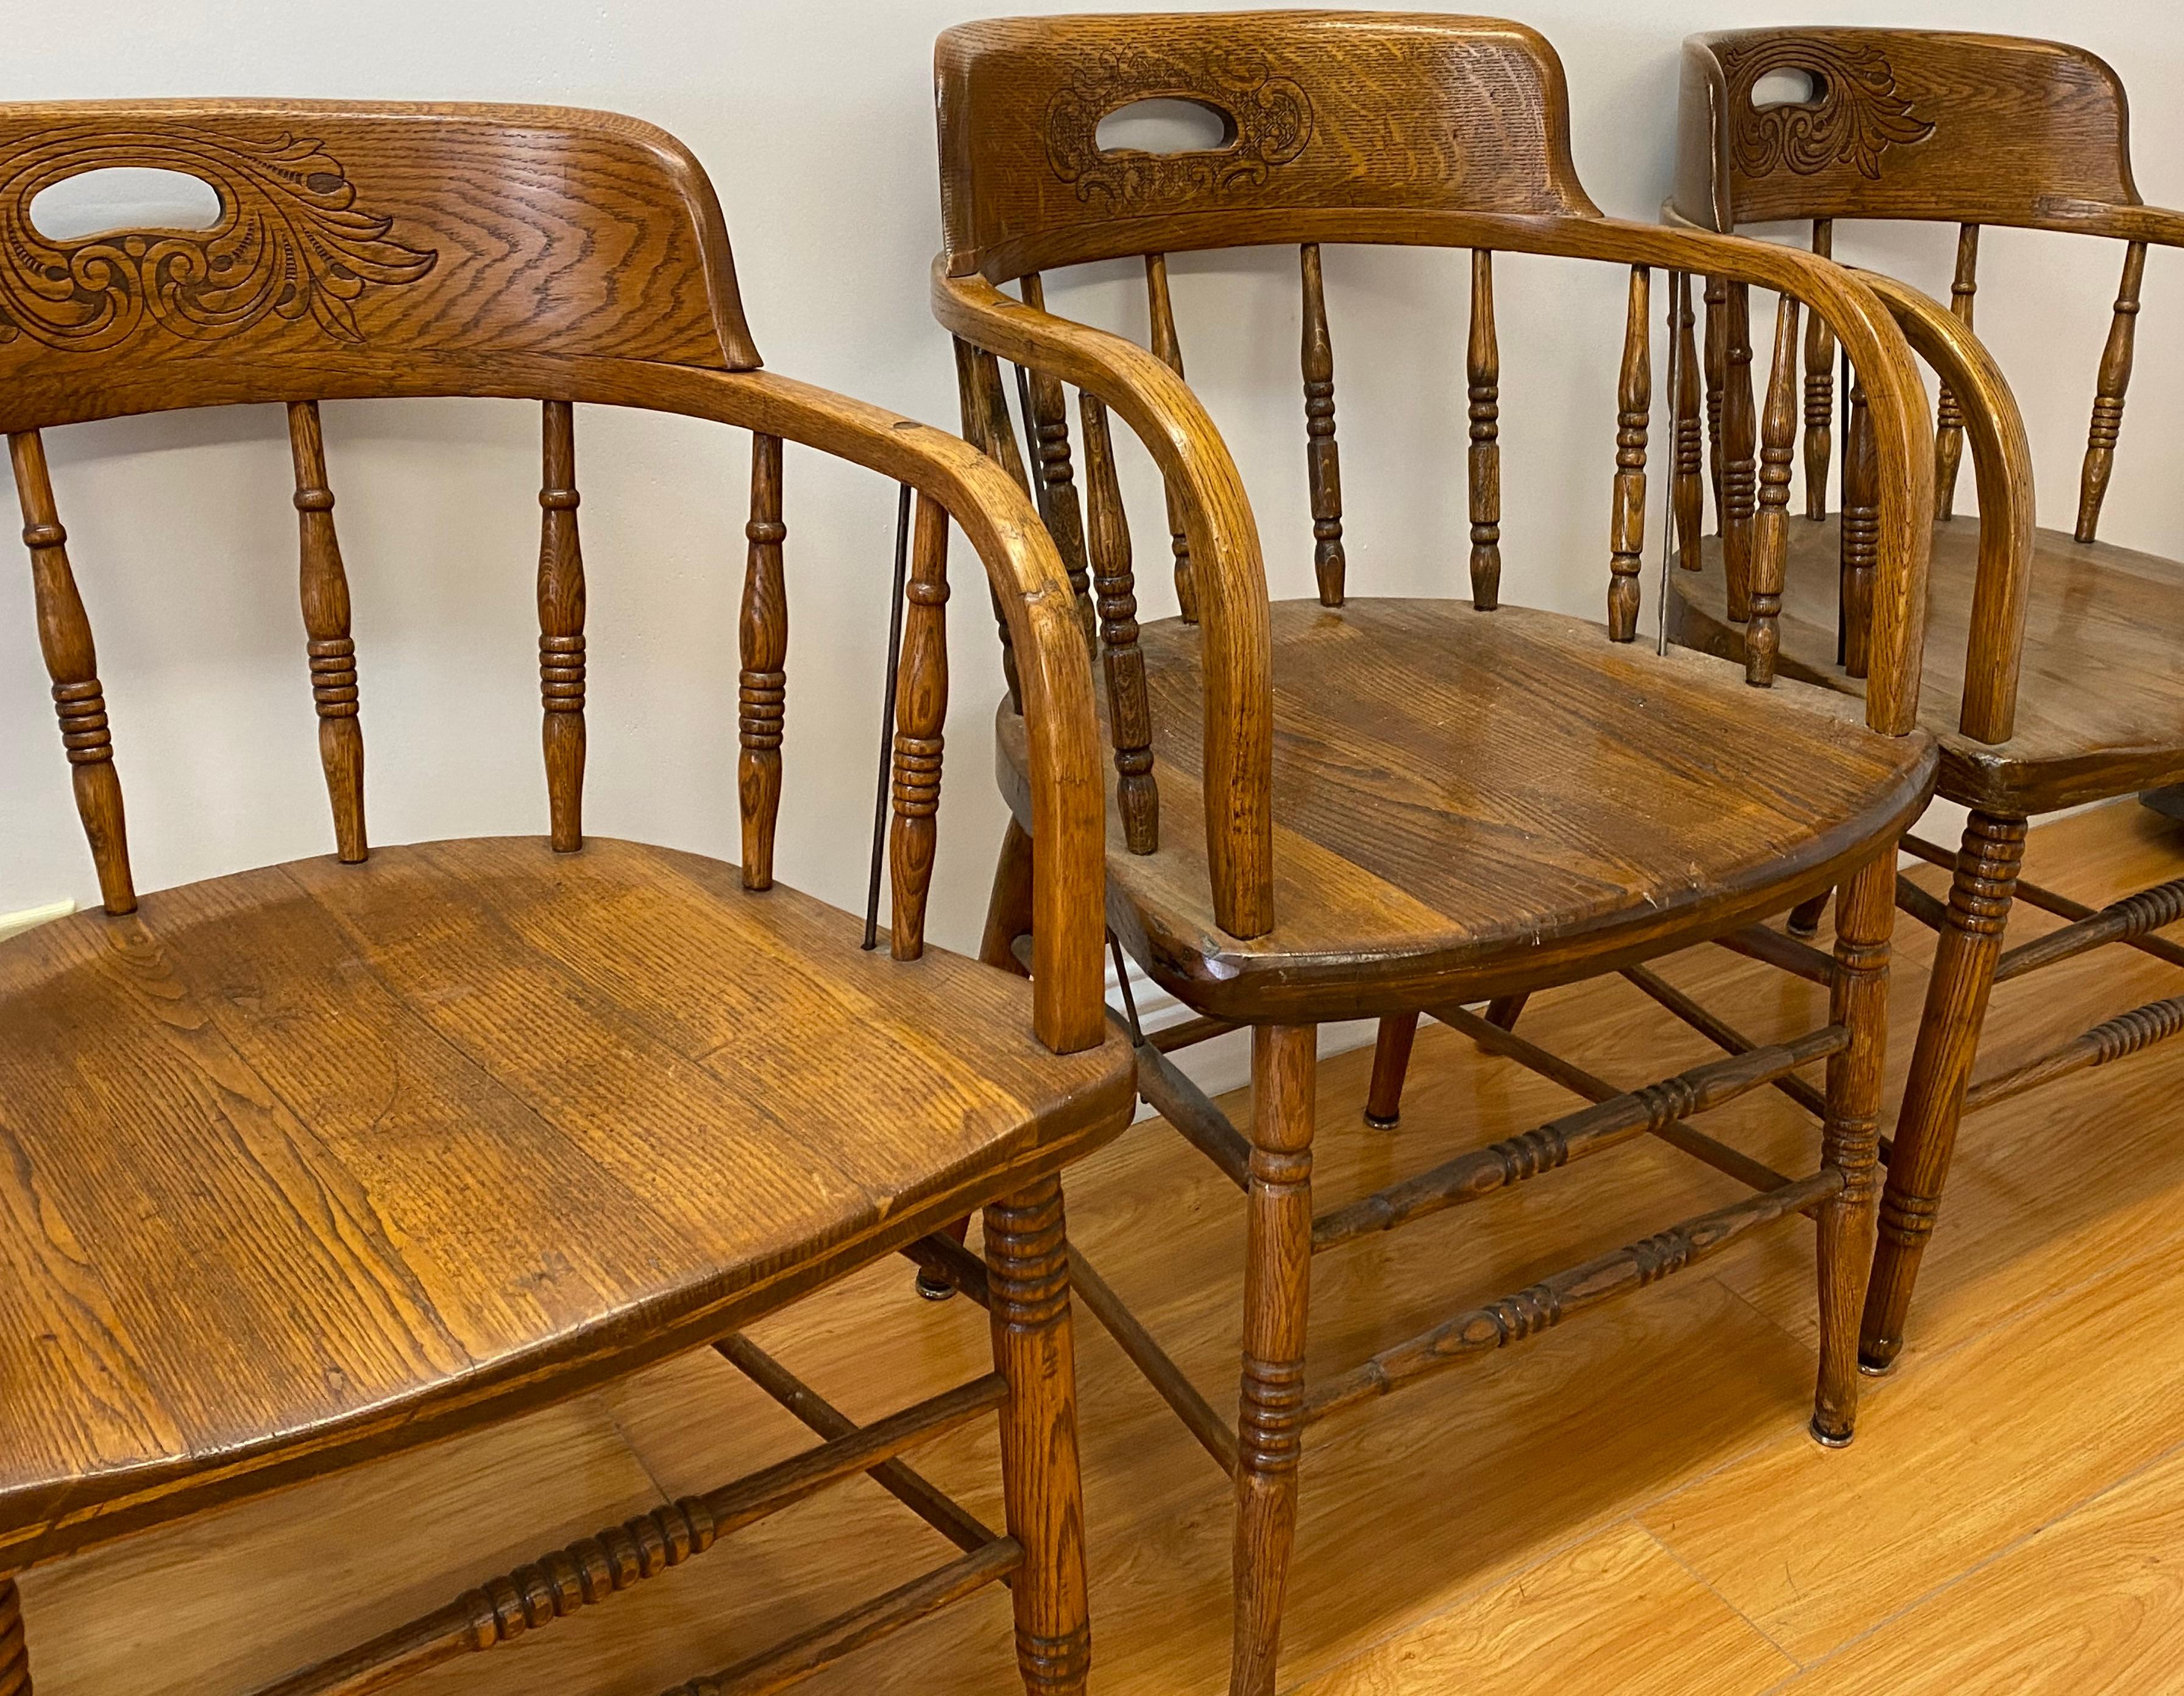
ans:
x=1391 y=1064
x=1805 y=916
x=1879 y=1357
x=1830 y=1439
x=933 y=1285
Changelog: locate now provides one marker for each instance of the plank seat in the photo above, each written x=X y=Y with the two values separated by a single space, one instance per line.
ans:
x=1453 y=783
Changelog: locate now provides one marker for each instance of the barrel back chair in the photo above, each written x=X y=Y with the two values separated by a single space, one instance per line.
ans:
x=320 y=1161
x=1350 y=807
x=2071 y=683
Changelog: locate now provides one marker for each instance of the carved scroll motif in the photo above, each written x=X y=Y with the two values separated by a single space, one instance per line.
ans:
x=1855 y=114
x=290 y=242
x=1268 y=118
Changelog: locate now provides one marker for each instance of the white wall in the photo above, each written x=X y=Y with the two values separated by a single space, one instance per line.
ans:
x=813 y=117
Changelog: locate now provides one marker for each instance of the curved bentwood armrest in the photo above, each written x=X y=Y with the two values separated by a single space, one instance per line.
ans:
x=1069 y=935
x=1225 y=544
x=2001 y=461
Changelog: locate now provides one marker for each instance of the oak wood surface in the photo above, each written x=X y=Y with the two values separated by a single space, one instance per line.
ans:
x=1459 y=787
x=1922 y=125
x=545 y=1148
x=316 y=1163
x=1374 y=806
x=1343 y=129
x=1490 y=1560
x=2100 y=696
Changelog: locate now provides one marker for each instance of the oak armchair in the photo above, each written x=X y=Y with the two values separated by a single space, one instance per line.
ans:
x=2056 y=664
x=316 y=1162
x=1349 y=807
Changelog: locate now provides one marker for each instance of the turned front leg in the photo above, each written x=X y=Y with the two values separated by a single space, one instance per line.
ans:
x=1865 y=915
x=1027 y=1272
x=1965 y=959
x=1276 y=1287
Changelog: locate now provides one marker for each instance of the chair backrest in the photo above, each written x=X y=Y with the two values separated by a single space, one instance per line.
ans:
x=1351 y=126
x=554 y=256
x=1971 y=130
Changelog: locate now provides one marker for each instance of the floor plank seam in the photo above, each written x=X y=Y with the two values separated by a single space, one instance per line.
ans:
x=1706 y=1585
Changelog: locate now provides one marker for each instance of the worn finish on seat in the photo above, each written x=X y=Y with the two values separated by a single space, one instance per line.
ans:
x=2100 y=694
x=2067 y=664
x=314 y=1162
x=1474 y=805
x=309 y=1156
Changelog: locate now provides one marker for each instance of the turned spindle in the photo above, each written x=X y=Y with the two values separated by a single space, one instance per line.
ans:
x=2108 y=396
x=1819 y=390
x=1160 y=313
x=1129 y=715
x=762 y=687
x=1687 y=487
x=561 y=629
x=1323 y=458
x=1861 y=532
x=72 y=663
x=1949 y=418
x=1633 y=413
x=921 y=711
x=1770 y=529
x=331 y=651
x=1717 y=353
x=1739 y=469
x=1482 y=369
x=974 y=394
x=1058 y=507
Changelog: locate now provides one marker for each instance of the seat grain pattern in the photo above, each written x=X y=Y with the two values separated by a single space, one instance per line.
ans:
x=1478 y=803
x=2100 y=698
x=320 y=1158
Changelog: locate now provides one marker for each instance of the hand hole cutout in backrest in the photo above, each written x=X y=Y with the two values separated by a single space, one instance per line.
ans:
x=117 y=198
x=1788 y=87
x=1167 y=126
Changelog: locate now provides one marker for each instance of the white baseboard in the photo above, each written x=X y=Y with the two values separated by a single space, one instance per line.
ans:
x=15 y=924
x=1222 y=1063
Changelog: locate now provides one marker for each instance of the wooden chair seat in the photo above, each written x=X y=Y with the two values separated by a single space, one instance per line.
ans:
x=1455 y=788
x=321 y=1159
x=2100 y=698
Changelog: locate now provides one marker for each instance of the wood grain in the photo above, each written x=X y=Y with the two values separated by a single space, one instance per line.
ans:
x=1656 y=1393
x=332 y=652
x=1615 y=1613
x=1390 y=902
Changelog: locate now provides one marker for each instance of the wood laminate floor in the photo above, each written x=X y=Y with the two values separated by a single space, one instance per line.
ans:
x=1630 y=1504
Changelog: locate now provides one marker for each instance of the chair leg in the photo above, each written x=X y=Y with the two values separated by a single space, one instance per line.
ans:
x=1865 y=915
x=1027 y=1264
x=1805 y=916
x=1391 y=1064
x=1941 y=1067
x=1503 y=1011
x=1008 y=909
x=14 y=1649
x=1277 y=1289
x=1008 y=916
